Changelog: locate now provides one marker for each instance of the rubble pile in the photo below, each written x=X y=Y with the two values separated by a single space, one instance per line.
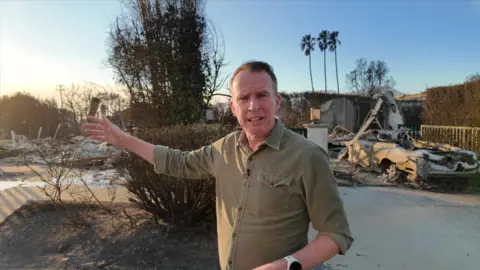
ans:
x=392 y=156
x=86 y=149
x=395 y=156
x=90 y=162
x=75 y=150
x=93 y=178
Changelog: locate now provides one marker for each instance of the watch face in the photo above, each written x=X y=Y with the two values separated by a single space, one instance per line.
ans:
x=295 y=266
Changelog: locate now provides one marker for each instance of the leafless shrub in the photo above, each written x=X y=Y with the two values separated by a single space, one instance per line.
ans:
x=65 y=181
x=176 y=201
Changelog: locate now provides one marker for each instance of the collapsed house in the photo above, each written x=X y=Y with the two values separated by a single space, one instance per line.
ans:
x=399 y=157
x=347 y=111
x=73 y=160
x=412 y=107
x=76 y=150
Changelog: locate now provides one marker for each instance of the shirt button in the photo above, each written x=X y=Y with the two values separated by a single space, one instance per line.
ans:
x=245 y=183
x=234 y=234
x=240 y=209
x=229 y=262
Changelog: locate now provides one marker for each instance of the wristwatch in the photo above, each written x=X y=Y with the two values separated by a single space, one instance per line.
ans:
x=293 y=264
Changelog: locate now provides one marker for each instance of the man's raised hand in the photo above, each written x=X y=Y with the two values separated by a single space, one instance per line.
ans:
x=104 y=130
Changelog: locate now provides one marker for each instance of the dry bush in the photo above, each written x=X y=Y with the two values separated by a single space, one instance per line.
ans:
x=176 y=201
x=65 y=181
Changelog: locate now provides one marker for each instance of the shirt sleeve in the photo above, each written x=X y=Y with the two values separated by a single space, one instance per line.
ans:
x=197 y=164
x=324 y=204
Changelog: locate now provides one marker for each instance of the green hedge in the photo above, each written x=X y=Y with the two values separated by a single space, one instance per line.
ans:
x=456 y=105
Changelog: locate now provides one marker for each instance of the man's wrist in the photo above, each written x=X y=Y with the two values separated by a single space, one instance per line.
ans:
x=282 y=264
x=125 y=141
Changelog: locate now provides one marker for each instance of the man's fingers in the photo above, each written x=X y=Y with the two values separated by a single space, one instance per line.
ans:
x=94 y=132
x=98 y=138
x=94 y=119
x=106 y=122
x=93 y=126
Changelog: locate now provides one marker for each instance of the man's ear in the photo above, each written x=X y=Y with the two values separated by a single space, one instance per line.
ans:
x=278 y=102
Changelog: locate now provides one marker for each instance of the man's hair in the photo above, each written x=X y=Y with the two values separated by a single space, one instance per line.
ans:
x=256 y=66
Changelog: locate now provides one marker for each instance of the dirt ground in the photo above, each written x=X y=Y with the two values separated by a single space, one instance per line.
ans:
x=39 y=236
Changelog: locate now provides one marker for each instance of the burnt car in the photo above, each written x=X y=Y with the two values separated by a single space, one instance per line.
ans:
x=401 y=158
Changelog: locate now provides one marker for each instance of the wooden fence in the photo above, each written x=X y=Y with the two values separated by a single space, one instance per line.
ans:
x=413 y=131
x=463 y=137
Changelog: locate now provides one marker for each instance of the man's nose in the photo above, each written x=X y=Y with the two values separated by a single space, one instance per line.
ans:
x=253 y=105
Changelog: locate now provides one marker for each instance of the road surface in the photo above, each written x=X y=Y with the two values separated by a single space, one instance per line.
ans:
x=393 y=228
x=406 y=229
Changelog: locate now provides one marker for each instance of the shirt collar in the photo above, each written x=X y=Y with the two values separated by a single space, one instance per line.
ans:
x=273 y=140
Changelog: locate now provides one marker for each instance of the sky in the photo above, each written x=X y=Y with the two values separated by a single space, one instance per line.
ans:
x=44 y=43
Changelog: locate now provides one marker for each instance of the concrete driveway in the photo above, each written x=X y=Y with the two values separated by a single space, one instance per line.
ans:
x=406 y=229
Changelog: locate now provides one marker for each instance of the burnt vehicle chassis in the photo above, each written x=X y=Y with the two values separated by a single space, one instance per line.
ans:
x=401 y=158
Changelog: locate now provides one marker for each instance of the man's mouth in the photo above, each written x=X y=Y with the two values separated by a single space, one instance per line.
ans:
x=255 y=119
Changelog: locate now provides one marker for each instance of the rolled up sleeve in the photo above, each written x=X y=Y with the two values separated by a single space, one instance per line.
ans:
x=197 y=164
x=324 y=204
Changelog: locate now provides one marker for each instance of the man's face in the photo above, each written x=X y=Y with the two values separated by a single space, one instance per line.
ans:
x=254 y=102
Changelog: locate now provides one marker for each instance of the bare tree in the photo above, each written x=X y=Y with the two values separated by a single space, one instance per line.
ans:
x=370 y=78
x=77 y=101
x=473 y=77
x=216 y=54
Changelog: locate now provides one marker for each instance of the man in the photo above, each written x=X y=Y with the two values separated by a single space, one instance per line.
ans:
x=270 y=182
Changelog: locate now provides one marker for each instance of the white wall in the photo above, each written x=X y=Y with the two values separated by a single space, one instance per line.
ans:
x=318 y=133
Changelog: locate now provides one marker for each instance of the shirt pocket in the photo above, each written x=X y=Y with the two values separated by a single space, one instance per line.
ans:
x=271 y=194
x=274 y=181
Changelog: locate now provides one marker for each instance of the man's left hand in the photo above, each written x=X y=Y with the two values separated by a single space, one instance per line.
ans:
x=276 y=265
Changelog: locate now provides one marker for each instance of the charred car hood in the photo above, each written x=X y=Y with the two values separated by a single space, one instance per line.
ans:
x=449 y=160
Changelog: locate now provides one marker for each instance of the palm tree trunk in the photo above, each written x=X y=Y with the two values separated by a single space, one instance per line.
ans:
x=310 y=67
x=325 y=68
x=336 y=69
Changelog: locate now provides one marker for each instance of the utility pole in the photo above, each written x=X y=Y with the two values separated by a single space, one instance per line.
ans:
x=60 y=89
x=62 y=110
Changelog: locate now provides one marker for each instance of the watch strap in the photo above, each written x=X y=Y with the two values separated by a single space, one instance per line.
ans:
x=292 y=261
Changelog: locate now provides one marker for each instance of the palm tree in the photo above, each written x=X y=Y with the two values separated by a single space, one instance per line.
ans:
x=308 y=46
x=332 y=43
x=322 y=40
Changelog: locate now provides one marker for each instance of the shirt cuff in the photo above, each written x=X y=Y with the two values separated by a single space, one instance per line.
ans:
x=343 y=242
x=160 y=153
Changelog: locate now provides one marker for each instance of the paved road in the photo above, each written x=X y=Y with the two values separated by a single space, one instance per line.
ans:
x=393 y=228
x=13 y=196
x=403 y=229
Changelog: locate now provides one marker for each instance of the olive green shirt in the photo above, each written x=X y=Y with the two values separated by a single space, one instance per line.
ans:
x=265 y=199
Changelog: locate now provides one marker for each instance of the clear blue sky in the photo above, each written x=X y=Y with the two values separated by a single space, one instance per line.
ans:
x=45 y=43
